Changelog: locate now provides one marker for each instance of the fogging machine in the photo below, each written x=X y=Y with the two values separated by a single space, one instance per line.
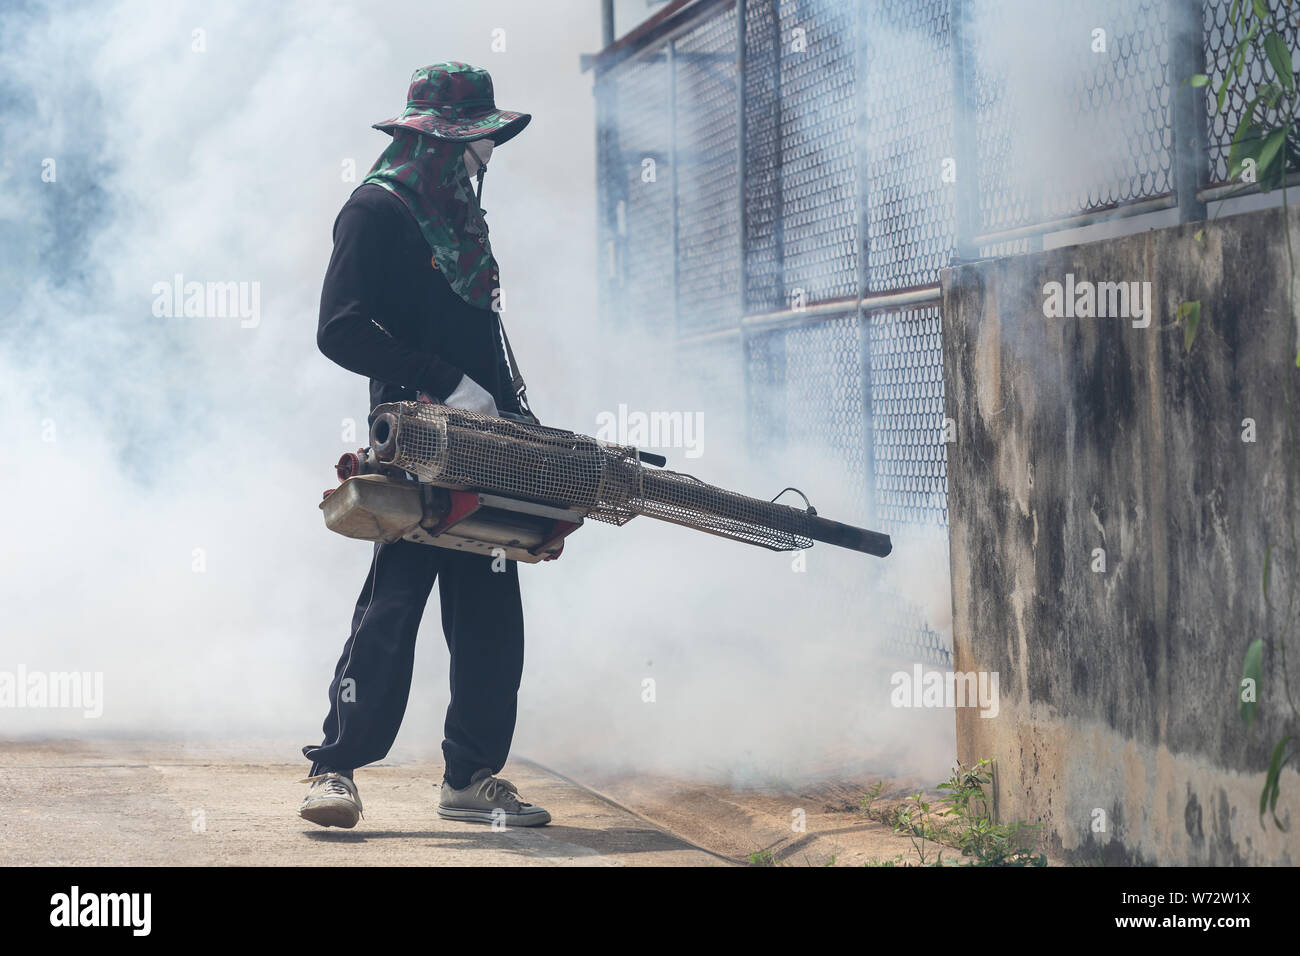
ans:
x=504 y=486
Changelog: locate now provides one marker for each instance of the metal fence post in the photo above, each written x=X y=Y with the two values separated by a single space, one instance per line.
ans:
x=860 y=140
x=778 y=159
x=670 y=54
x=1189 y=138
x=741 y=130
x=967 y=155
x=742 y=259
x=612 y=189
x=606 y=23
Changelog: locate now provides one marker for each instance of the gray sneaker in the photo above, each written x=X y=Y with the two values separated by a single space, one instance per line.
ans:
x=332 y=801
x=489 y=799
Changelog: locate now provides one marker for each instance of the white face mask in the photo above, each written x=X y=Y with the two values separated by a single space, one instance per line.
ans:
x=477 y=154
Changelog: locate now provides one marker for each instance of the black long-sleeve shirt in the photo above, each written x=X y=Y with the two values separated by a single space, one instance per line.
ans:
x=388 y=313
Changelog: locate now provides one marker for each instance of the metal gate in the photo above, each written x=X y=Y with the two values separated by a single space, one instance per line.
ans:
x=781 y=182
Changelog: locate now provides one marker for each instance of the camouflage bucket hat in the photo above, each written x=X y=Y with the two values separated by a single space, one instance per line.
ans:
x=453 y=101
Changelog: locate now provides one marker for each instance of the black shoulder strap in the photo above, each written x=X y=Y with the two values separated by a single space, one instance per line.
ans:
x=516 y=377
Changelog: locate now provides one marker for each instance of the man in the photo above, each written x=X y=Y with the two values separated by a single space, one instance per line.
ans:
x=411 y=301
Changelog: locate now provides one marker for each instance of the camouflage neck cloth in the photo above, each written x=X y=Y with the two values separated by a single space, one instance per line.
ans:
x=430 y=178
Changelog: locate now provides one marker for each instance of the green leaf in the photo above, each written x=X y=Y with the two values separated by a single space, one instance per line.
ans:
x=1279 y=54
x=1247 y=132
x=1269 y=152
x=1199 y=235
x=1234 y=64
x=1268 y=95
x=1273 y=782
x=1191 y=311
x=1251 y=669
x=1247 y=143
x=1261 y=8
x=1199 y=79
x=1247 y=118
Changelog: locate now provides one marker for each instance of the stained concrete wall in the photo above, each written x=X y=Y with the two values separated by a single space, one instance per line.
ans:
x=1119 y=688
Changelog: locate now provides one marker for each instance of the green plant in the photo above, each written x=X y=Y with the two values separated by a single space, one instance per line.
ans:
x=1266 y=141
x=963 y=821
x=1252 y=669
x=1189 y=315
x=870 y=797
x=1265 y=146
x=966 y=789
x=913 y=820
x=977 y=834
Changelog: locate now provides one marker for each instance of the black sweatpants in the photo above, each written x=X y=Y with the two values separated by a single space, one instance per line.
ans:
x=483 y=621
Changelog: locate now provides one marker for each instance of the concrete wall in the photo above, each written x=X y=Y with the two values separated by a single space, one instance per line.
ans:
x=1119 y=688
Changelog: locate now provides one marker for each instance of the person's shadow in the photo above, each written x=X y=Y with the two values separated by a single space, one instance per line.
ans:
x=545 y=841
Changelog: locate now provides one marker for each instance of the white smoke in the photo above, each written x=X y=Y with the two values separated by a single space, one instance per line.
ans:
x=161 y=522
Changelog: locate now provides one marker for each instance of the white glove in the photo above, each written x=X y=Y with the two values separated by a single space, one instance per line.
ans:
x=471 y=397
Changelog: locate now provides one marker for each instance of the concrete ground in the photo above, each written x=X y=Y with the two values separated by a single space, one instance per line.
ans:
x=811 y=825
x=154 y=803
x=145 y=804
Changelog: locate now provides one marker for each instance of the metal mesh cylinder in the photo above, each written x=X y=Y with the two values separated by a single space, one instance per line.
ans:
x=683 y=499
x=459 y=449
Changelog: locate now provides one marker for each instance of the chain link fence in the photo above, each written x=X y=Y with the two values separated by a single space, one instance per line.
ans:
x=781 y=182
